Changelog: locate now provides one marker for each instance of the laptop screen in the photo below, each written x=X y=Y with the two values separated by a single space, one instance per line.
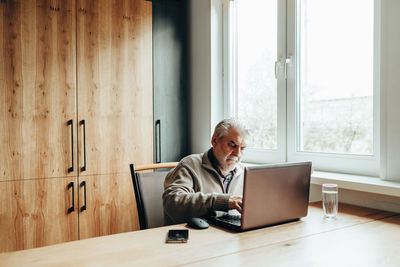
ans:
x=275 y=193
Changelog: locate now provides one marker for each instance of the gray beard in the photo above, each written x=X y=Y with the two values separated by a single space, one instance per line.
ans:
x=229 y=169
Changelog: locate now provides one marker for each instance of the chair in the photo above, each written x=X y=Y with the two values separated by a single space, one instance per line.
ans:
x=149 y=188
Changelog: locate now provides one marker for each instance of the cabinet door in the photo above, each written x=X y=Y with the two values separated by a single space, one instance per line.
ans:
x=170 y=74
x=110 y=205
x=37 y=95
x=35 y=213
x=114 y=85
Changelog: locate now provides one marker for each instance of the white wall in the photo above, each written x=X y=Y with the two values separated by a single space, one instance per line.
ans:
x=206 y=81
x=200 y=75
x=217 y=82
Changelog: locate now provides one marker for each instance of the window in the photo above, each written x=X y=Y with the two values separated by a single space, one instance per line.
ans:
x=304 y=81
x=336 y=76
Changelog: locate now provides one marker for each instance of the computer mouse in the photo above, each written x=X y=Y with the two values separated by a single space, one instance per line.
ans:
x=198 y=223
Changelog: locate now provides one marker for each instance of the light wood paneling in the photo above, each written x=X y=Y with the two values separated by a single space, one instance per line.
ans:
x=41 y=84
x=37 y=81
x=33 y=213
x=110 y=205
x=115 y=84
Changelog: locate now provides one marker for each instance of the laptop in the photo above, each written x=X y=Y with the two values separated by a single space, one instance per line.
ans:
x=272 y=194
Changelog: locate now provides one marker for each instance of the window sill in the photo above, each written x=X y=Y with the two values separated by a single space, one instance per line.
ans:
x=357 y=183
x=354 y=182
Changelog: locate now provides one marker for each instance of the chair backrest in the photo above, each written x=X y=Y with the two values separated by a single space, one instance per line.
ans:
x=149 y=188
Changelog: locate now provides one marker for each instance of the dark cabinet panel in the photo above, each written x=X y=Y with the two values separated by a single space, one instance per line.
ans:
x=170 y=80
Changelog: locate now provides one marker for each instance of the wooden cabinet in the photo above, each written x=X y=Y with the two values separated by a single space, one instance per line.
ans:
x=108 y=205
x=37 y=88
x=37 y=100
x=75 y=106
x=114 y=85
x=114 y=66
x=37 y=212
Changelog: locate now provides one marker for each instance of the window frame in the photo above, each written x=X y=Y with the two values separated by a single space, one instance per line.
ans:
x=254 y=155
x=288 y=96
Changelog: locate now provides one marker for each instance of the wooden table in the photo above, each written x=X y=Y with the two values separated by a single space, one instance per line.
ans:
x=358 y=237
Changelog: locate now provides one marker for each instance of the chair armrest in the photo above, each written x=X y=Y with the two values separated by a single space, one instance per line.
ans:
x=155 y=166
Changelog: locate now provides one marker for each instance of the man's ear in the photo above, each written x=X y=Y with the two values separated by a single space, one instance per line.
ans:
x=214 y=140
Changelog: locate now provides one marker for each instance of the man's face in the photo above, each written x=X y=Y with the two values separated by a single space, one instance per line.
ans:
x=229 y=149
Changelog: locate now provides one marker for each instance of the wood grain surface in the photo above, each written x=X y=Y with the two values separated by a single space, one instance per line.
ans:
x=155 y=166
x=63 y=60
x=111 y=206
x=33 y=213
x=359 y=235
x=37 y=81
x=115 y=84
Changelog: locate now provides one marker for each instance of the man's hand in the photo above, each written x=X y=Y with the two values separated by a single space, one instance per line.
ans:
x=235 y=202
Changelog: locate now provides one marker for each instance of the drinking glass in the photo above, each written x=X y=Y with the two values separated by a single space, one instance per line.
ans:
x=330 y=200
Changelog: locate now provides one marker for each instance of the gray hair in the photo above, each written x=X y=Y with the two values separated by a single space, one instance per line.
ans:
x=222 y=128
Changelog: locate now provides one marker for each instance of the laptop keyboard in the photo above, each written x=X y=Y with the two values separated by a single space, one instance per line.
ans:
x=231 y=219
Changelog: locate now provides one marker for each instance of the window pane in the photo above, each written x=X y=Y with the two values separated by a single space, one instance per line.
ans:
x=256 y=55
x=336 y=76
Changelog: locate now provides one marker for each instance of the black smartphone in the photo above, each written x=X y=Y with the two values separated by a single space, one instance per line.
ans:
x=178 y=236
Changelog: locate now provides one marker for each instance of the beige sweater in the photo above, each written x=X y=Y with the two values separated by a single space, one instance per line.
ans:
x=194 y=189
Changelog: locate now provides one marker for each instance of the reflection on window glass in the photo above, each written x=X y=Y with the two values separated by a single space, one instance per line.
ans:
x=336 y=76
x=256 y=84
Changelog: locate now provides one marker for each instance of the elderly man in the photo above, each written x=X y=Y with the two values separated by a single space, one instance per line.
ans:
x=204 y=183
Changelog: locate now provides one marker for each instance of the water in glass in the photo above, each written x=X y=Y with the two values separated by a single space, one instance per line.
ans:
x=330 y=200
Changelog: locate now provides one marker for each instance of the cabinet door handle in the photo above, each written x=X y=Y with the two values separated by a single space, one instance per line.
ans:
x=84 y=195
x=83 y=168
x=158 y=141
x=70 y=122
x=72 y=208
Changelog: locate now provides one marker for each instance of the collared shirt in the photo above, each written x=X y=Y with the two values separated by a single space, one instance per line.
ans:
x=226 y=180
